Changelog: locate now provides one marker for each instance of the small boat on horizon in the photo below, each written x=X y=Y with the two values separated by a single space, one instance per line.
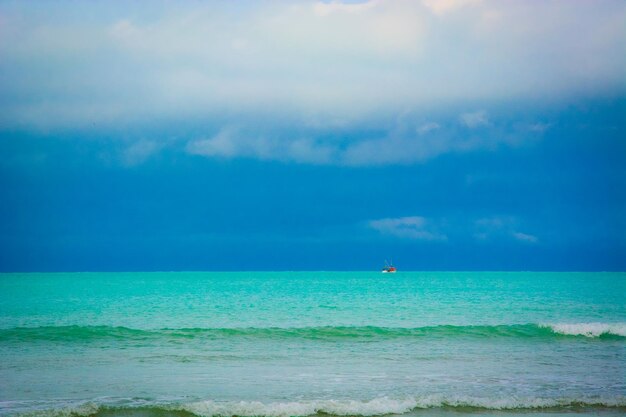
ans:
x=388 y=268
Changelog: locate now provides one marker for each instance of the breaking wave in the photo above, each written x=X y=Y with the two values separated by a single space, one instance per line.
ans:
x=589 y=329
x=384 y=405
x=376 y=407
x=94 y=333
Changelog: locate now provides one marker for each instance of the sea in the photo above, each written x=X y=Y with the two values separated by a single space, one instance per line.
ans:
x=281 y=344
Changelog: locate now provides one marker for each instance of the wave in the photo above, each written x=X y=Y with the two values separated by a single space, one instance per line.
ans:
x=384 y=405
x=589 y=329
x=94 y=333
x=360 y=408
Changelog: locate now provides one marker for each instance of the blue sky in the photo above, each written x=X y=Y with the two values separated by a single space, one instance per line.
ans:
x=447 y=135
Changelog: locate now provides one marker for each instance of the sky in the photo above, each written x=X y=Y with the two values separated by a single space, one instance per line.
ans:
x=313 y=135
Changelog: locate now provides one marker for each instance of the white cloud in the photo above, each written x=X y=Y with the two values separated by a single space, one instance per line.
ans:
x=441 y=7
x=325 y=8
x=409 y=141
x=525 y=237
x=474 y=119
x=309 y=151
x=427 y=127
x=232 y=142
x=124 y=30
x=406 y=148
x=494 y=228
x=414 y=227
x=139 y=152
x=296 y=61
x=501 y=227
x=539 y=127
x=223 y=144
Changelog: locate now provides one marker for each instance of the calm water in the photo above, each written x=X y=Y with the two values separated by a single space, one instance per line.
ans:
x=304 y=343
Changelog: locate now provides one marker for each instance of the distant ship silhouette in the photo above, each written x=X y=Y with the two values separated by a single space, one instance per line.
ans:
x=388 y=268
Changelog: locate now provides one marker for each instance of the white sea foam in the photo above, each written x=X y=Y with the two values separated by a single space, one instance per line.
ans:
x=75 y=410
x=384 y=405
x=374 y=407
x=365 y=408
x=588 y=329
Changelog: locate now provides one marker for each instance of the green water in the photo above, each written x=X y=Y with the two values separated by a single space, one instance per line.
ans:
x=304 y=343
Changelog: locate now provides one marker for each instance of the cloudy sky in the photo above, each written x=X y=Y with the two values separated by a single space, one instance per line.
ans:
x=211 y=135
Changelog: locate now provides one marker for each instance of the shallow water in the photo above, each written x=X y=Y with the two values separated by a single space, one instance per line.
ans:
x=303 y=343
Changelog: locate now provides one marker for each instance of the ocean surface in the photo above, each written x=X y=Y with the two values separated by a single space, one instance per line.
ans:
x=312 y=343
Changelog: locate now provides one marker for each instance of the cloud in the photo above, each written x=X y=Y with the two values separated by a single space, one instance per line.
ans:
x=414 y=227
x=236 y=143
x=223 y=144
x=404 y=149
x=525 y=237
x=454 y=228
x=427 y=127
x=325 y=8
x=441 y=7
x=539 y=127
x=474 y=119
x=501 y=227
x=65 y=66
x=409 y=141
x=139 y=152
x=124 y=30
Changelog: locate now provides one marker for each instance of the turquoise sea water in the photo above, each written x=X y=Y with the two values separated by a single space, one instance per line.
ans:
x=312 y=343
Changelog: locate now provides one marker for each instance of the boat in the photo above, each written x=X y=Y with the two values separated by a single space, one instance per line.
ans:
x=388 y=268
